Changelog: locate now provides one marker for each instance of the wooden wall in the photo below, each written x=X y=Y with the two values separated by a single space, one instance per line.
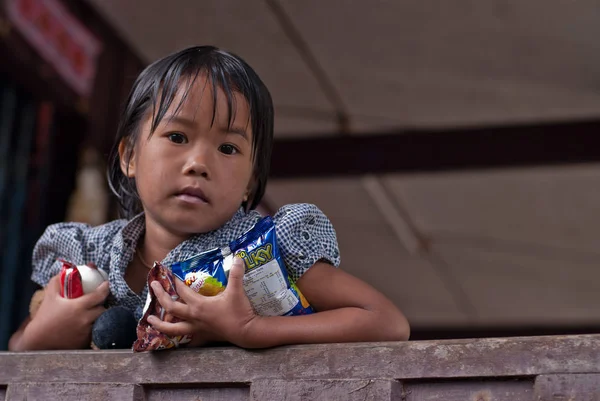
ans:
x=516 y=369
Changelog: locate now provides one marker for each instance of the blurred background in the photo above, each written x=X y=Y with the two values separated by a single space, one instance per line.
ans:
x=454 y=145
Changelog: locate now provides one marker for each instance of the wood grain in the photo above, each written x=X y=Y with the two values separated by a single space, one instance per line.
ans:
x=574 y=387
x=476 y=390
x=562 y=368
x=74 y=392
x=508 y=357
x=195 y=394
x=331 y=390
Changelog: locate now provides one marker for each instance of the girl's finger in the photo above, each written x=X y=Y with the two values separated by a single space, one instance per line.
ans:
x=171 y=329
x=236 y=276
x=169 y=304
x=96 y=297
x=96 y=312
x=188 y=295
x=53 y=286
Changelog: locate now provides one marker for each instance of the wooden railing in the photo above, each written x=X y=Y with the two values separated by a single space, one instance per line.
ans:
x=564 y=368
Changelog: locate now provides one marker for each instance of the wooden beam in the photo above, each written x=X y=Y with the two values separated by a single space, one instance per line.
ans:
x=438 y=150
x=347 y=390
x=557 y=387
x=509 y=369
x=75 y=391
x=234 y=367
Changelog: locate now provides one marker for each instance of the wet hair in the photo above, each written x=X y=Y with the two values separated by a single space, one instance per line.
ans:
x=155 y=89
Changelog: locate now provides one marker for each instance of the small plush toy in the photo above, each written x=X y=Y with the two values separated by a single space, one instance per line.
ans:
x=114 y=329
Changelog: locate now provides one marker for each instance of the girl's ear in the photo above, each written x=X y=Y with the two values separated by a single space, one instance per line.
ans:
x=250 y=188
x=127 y=159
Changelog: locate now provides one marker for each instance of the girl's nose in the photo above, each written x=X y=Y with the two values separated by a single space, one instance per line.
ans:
x=196 y=166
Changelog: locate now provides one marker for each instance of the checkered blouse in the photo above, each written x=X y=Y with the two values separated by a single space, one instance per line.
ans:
x=304 y=235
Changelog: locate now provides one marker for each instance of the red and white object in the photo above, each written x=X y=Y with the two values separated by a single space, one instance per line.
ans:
x=76 y=281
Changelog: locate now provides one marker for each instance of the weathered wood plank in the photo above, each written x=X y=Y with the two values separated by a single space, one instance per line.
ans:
x=570 y=387
x=507 y=357
x=16 y=392
x=462 y=390
x=195 y=394
x=331 y=390
x=74 y=392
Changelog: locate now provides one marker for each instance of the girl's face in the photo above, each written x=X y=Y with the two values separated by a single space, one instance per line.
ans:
x=192 y=175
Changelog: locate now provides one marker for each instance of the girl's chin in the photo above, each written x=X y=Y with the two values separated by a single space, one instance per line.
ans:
x=191 y=226
x=191 y=221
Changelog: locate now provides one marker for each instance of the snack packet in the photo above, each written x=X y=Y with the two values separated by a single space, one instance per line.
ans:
x=199 y=273
x=148 y=338
x=266 y=280
x=203 y=273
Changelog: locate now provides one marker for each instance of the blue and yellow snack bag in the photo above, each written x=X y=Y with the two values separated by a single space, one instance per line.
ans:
x=203 y=273
x=266 y=280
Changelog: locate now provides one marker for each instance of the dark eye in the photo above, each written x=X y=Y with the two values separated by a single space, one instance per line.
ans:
x=228 y=149
x=177 y=137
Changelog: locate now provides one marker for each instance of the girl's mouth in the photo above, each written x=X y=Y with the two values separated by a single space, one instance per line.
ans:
x=193 y=195
x=191 y=199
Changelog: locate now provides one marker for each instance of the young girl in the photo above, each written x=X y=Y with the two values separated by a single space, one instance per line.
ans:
x=190 y=163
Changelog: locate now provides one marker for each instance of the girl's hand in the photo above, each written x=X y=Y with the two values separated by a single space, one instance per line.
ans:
x=62 y=323
x=205 y=338
x=227 y=316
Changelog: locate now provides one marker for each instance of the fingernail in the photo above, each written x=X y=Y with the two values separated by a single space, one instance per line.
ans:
x=152 y=319
x=155 y=285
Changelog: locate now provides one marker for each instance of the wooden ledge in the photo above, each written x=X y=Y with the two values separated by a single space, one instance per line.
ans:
x=521 y=367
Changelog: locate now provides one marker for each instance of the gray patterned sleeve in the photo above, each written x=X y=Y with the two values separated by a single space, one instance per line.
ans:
x=305 y=236
x=75 y=242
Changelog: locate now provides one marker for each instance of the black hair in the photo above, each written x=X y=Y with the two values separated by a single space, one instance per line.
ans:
x=156 y=87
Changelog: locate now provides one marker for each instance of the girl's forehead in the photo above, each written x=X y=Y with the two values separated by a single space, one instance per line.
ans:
x=200 y=93
x=196 y=100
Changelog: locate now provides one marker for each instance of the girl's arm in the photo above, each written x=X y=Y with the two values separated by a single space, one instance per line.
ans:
x=349 y=311
x=14 y=343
